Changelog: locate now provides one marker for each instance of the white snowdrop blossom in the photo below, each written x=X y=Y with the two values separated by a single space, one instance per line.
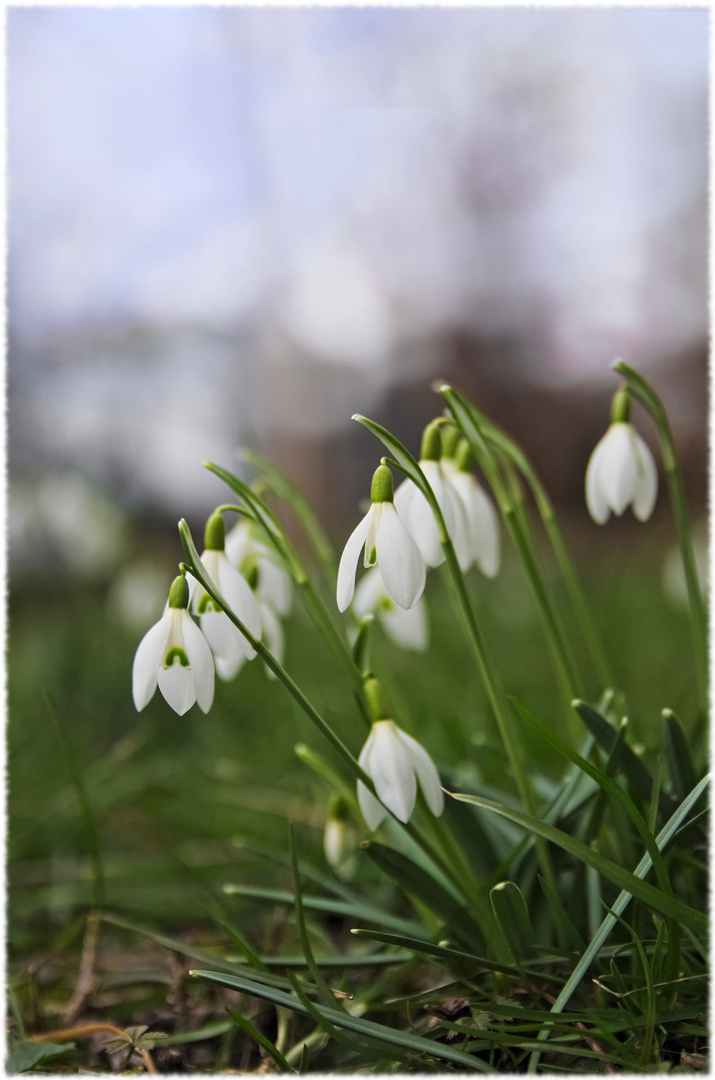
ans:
x=482 y=524
x=408 y=629
x=388 y=543
x=621 y=470
x=395 y=762
x=275 y=585
x=229 y=646
x=174 y=655
x=414 y=509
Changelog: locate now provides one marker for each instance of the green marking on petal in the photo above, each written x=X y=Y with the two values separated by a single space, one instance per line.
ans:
x=207 y=604
x=176 y=654
x=372 y=557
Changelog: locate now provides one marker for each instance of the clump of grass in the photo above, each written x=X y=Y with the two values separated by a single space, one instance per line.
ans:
x=550 y=920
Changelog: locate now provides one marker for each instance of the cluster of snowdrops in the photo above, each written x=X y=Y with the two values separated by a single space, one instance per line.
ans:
x=400 y=537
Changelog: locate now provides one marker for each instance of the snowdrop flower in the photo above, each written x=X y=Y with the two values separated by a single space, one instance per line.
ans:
x=395 y=762
x=339 y=840
x=415 y=511
x=387 y=543
x=229 y=646
x=176 y=655
x=482 y=526
x=275 y=585
x=621 y=470
x=406 y=628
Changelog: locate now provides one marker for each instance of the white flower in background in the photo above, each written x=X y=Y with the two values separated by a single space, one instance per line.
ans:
x=482 y=524
x=407 y=629
x=275 y=585
x=272 y=586
x=175 y=655
x=395 y=762
x=388 y=543
x=229 y=646
x=621 y=470
x=340 y=839
x=415 y=511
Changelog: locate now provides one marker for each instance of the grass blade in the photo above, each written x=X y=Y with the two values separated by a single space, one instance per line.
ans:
x=266 y=1043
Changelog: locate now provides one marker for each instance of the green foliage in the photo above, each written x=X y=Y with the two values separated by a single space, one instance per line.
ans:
x=551 y=920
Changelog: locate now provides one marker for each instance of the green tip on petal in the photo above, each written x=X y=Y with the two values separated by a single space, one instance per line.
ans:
x=215 y=532
x=431 y=442
x=251 y=571
x=179 y=593
x=621 y=406
x=338 y=808
x=376 y=700
x=382 y=488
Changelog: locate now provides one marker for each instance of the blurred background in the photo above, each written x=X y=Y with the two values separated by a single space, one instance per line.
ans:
x=241 y=226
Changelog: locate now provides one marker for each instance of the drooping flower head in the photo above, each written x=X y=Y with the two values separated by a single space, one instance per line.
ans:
x=396 y=763
x=408 y=629
x=482 y=526
x=274 y=584
x=621 y=470
x=388 y=544
x=416 y=512
x=175 y=655
x=229 y=646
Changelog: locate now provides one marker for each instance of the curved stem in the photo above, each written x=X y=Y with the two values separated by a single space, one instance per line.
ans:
x=698 y=614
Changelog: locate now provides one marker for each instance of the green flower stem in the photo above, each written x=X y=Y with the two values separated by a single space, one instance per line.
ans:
x=518 y=526
x=465 y=412
x=495 y=693
x=197 y=569
x=407 y=465
x=698 y=614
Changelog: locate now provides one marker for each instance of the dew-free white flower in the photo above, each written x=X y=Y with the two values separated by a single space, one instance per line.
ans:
x=416 y=512
x=175 y=655
x=621 y=472
x=407 y=629
x=482 y=525
x=229 y=646
x=275 y=585
x=395 y=762
x=386 y=542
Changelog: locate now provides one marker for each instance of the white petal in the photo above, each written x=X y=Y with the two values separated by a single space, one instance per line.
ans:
x=459 y=532
x=391 y=770
x=596 y=500
x=147 y=661
x=647 y=483
x=239 y=543
x=273 y=636
x=349 y=560
x=274 y=586
x=416 y=513
x=228 y=669
x=201 y=663
x=225 y=639
x=482 y=522
x=372 y=810
x=238 y=595
x=426 y=772
x=618 y=471
x=406 y=628
x=177 y=685
x=398 y=557
x=369 y=593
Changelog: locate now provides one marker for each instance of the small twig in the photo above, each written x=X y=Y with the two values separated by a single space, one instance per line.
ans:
x=595 y=1046
x=85 y=978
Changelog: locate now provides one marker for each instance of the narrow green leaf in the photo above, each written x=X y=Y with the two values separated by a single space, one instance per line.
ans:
x=261 y=1039
x=403 y=458
x=663 y=838
x=561 y=917
x=416 y=882
x=605 y=736
x=512 y=916
x=463 y=960
x=243 y=947
x=318 y=979
x=416 y=1043
x=655 y=898
x=680 y=761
